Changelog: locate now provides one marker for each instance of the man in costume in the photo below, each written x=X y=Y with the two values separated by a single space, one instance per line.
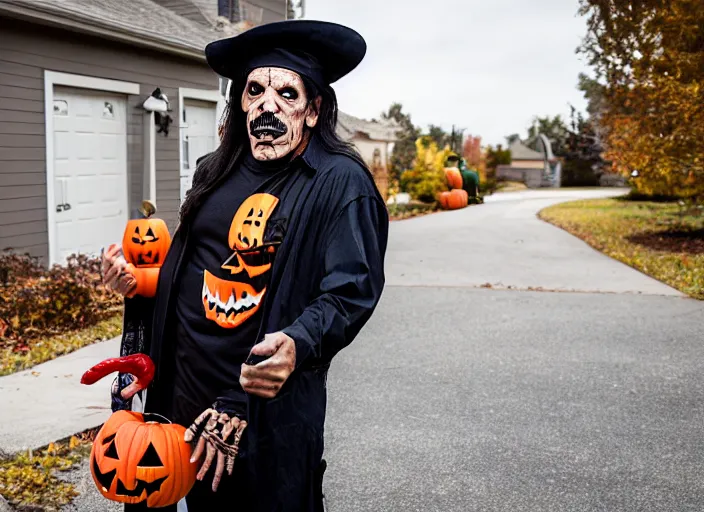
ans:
x=276 y=265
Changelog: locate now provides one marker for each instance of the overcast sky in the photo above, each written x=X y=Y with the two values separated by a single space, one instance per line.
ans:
x=488 y=66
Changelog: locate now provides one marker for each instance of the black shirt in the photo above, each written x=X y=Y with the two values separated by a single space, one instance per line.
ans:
x=219 y=293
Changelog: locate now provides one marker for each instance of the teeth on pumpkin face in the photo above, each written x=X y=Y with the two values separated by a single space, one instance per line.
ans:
x=232 y=305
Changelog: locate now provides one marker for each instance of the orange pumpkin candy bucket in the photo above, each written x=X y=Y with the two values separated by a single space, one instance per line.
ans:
x=139 y=458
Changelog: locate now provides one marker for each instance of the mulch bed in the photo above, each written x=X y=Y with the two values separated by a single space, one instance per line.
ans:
x=689 y=242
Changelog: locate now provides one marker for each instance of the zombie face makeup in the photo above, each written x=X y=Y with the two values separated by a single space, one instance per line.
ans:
x=278 y=112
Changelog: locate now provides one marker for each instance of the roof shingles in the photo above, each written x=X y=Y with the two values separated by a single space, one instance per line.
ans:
x=141 y=18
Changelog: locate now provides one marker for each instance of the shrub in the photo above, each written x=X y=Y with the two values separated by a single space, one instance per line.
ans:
x=427 y=178
x=35 y=301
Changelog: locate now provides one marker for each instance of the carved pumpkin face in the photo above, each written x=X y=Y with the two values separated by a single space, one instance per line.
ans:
x=133 y=461
x=146 y=242
x=227 y=302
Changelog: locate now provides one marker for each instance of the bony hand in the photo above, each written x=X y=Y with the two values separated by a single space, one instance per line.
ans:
x=268 y=377
x=116 y=272
x=217 y=434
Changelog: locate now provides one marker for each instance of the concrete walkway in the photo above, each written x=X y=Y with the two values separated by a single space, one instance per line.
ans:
x=48 y=402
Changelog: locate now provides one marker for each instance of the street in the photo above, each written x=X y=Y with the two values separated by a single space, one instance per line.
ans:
x=458 y=398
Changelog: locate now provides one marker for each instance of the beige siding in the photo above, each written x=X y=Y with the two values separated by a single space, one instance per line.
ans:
x=26 y=51
x=528 y=164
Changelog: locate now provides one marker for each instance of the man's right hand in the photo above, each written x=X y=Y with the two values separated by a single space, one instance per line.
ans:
x=115 y=271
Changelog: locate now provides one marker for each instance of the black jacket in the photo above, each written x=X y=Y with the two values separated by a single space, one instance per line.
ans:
x=326 y=281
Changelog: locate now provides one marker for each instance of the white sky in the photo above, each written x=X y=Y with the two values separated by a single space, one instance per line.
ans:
x=489 y=66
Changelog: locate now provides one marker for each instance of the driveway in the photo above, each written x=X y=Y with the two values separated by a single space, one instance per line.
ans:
x=459 y=398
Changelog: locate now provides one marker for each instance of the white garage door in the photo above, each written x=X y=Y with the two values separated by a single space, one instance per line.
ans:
x=90 y=170
x=198 y=138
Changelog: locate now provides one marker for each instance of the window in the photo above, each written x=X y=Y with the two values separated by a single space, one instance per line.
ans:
x=184 y=144
x=108 y=110
x=60 y=108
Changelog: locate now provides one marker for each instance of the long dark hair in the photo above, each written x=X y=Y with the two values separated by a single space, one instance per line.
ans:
x=215 y=167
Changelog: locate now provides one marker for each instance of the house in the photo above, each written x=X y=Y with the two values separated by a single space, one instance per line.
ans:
x=527 y=166
x=78 y=152
x=374 y=140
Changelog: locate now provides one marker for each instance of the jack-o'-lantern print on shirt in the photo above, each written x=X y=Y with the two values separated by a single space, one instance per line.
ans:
x=229 y=302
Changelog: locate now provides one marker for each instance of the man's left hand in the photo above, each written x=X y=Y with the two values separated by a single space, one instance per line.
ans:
x=268 y=377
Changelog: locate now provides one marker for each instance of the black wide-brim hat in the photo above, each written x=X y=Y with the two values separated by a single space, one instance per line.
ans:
x=322 y=51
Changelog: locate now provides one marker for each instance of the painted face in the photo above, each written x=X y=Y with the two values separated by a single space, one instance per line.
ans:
x=278 y=112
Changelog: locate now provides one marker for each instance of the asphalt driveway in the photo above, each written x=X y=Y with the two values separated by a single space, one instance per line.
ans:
x=459 y=398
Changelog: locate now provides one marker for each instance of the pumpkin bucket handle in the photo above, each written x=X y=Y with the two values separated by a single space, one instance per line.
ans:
x=148 y=415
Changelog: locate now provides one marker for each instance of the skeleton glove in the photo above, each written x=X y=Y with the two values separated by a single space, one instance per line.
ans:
x=218 y=434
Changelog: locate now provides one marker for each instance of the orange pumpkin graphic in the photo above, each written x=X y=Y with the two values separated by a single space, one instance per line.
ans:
x=229 y=303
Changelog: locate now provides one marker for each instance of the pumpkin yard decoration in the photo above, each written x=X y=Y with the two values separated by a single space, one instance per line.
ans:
x=139 y=458
x=454 y=199
x=453 y=177
x=145 y=243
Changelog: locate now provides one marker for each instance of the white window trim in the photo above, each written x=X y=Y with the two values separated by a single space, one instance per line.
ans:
x=209 y=95
x=51 y=79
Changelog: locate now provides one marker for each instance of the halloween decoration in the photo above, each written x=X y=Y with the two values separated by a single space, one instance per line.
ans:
x=219 y=435
x=134 y=457
x=137 y=459
x=453 y=177
x=454 y=200
x=277 y=112
x=145 y=244
x=140 y=366
x=229 y=303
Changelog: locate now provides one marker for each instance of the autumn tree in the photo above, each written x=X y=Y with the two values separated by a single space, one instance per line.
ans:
x=427 y=177
x=472 y=151
x=648 y=58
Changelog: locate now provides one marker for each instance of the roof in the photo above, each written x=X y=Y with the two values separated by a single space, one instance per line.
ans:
x=348 y=126
x=137 y=22
x=521 y=152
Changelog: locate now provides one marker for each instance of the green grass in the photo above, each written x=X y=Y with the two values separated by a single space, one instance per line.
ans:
x=639 y=234
x=37 y=351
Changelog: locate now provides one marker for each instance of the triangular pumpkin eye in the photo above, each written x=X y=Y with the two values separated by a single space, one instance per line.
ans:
x=111 y=452
x=109 y=438
x=150 y=459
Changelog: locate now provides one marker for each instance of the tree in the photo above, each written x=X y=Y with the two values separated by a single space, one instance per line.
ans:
x=510 y=139
x=472 y=151
x=438 y=135
x=553 y=128
x=497 y=156
x=594 y=94
x=405 y=147
x=648 y=55
x=427 y=177
x=583 y=163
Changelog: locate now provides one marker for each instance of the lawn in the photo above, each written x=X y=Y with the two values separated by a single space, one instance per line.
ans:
x=20 y=356
x=654 y=238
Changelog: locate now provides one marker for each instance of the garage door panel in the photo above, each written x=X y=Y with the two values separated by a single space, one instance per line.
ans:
x=90 y=168
x=108 y=144
x=62 y=142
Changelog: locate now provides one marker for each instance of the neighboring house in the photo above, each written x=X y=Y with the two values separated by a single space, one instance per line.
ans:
x=374 y=140
x=527 y=166
x=78 y=152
